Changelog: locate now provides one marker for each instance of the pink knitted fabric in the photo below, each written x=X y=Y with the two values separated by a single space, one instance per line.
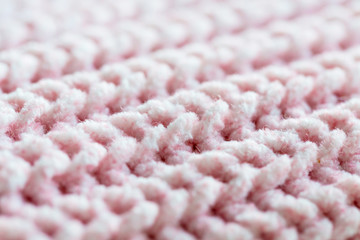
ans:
x=179 y=119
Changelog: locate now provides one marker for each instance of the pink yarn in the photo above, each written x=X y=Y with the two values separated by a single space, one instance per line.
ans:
x=181 y=119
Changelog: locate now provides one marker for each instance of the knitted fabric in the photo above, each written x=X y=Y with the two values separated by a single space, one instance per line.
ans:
x=179 y=119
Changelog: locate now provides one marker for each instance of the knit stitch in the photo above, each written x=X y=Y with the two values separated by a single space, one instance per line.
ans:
x=179 y=119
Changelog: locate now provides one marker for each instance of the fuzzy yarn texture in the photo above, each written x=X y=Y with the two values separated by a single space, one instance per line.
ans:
x=179 y=119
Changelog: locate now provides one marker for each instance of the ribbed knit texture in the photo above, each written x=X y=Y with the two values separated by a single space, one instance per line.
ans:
x=179 y=119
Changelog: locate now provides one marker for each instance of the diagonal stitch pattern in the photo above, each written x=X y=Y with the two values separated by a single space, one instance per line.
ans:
x=179 y=120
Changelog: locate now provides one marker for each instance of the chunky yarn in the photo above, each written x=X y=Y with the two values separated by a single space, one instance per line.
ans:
x=179 y=119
